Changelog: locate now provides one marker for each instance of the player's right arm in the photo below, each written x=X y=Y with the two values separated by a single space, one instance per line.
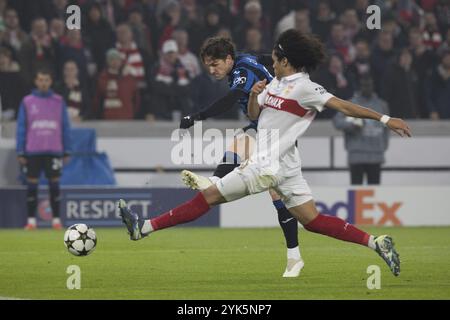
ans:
x=218 y=107
x=242 y=82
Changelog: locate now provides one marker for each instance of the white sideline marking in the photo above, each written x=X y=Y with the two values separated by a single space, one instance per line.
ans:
x=10 y=298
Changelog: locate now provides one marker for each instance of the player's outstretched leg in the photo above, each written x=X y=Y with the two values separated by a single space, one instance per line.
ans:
x=287 y=222
x=337 y=228
x=186 y=212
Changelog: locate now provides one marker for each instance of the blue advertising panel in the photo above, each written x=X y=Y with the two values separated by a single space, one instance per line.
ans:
x=97 y=207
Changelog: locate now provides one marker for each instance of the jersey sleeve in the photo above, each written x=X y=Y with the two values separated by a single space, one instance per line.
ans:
x=313 y=96
x=21 y=130
x=243 y=80
x=67 y=142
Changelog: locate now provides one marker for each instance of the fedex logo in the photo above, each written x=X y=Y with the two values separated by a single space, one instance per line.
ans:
x=359 y=202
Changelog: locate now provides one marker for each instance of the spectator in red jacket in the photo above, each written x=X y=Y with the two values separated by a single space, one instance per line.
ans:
x=170 y=85
x=340 y=43
x=117 y=96
x=134 y=57
x=431 y=34
x=38 y=52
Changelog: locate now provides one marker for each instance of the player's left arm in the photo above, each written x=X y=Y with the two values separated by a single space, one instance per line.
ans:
x=353 y=110
x=253 y=107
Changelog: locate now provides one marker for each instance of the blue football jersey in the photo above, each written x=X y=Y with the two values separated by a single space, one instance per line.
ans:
x=246 y=72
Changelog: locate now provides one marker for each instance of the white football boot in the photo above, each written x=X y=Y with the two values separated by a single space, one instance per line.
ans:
x=195 y=181
x=293 y=268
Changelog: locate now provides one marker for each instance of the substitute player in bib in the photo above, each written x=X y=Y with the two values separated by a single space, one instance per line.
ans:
x=286 y=108
x=243 y=71
x=43 y=143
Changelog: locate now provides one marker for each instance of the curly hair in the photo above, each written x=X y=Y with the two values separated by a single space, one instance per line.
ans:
x=217 y=48
x=303 y=51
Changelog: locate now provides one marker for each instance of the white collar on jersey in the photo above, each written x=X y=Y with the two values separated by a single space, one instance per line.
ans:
x=295 y=76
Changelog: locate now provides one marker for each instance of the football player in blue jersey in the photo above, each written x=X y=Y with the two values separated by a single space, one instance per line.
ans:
x=243 y=71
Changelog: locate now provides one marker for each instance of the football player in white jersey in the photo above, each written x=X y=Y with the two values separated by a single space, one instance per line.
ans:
x=285 y=109
x=243 y=71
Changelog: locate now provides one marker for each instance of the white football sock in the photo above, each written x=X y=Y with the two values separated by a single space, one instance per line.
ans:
x=146 y=227
x=32 y=221
x=56 y=221
x=294 y=253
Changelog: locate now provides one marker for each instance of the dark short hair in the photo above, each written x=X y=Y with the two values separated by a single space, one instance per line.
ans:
x=44 y=71
x=11 y=9
x=217 y=48
x=94 y=5
x=362 y=39
x=136 y=8
x=336 y=23
x=414 y=30
x=303 y=51
x=37 y=19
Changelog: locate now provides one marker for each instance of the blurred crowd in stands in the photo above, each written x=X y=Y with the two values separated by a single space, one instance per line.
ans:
x=138 y=59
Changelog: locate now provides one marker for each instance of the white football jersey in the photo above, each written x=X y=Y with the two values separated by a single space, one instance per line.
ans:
x=288 y=107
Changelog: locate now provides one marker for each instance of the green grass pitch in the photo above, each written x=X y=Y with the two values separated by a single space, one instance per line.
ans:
x=213 y=263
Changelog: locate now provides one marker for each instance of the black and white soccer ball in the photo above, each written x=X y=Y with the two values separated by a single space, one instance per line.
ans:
x=80 y=239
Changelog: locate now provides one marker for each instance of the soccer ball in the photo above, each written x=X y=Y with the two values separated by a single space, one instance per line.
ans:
x=80 y=239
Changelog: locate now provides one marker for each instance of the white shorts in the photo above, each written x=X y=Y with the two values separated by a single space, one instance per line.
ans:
x=251 y=179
